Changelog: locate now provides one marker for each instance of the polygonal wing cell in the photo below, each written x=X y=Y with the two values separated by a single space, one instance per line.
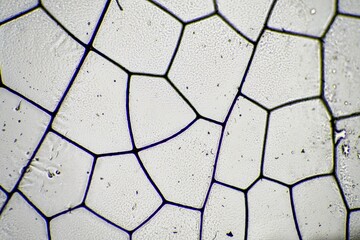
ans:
x=171 y=222
x=247 y=16
x=38 y=58
x=182 y=167
x=156 y=110
x=224 y=214
x=20 y=221
x=188 y=10
x=79 y=17
x=342 y=71
x=270 y=212
x=139 y=36
x=310 y=17
x=209 y=66
x=285 y=68
x=349 y=7
x=348 y=160
x=10 y=8
x=82 y=224
x=94 y=111
x=57 y=177
x=320 y=210
x=299 y=142
x=121 y=192
x=354 y=225
x=241 y=149
x=22 y=127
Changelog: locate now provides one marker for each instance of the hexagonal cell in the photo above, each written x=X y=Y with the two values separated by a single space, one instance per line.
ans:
x=24 y=68
x=224 y=214
x=270 y=212
x=349 y=6
x=119 y=182
x=81 y=224
x=188 y=10
x=22 y=127
x=3 y=198
x=348 y=160
x=342 y=66
x=171 y=222
x=79 y=17
x=20 y=221
x=320 y=211
x=156 y=110
x=57 y=177
x=247 y=16
x=11 y=8
x=284 y=64
x=299 y=142
x=182 y=167
x=307 y=16
x=354 y=225
x=240 y=154
x=94 y=110
x=209 y=66
x=141 y=37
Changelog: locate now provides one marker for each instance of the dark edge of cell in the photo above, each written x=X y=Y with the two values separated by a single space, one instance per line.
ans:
x=292 y=202
x=21 y=14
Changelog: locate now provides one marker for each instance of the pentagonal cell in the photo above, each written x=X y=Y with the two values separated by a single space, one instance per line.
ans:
x=20 y=221
x=182 y=167
x=38 y=58
x=156 y=110
x=79 y=17
x=349 y=6
x=284 y=64
x=209 y=66
x=139 y=36
x=348 y=160
x=354 y=225
x=247 y=16
x=10 y=8
x=120 y=182
x=22 y=127
x=188 y=10
x=3 y=198
x=270 y=212
x=299 y=142
x=171 y=222
x=57 y=177
x=81 y=224
x=94 y=111
x=342 y=66
x=224 y=214
x=240 y=154
x=307 y=16
x=320 y=211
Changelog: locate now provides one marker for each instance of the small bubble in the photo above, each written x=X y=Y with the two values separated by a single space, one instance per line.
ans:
x=346 y=149
x=334 y=86
x=57 y=172
x=346 y=103
x=333 y=71
x=313 y=11
x=50 y=174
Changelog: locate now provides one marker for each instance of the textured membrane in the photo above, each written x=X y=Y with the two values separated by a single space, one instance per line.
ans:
x=179 y=119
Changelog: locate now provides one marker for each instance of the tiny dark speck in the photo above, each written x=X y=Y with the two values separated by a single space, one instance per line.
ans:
x=89 y=23
x=229 y=234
